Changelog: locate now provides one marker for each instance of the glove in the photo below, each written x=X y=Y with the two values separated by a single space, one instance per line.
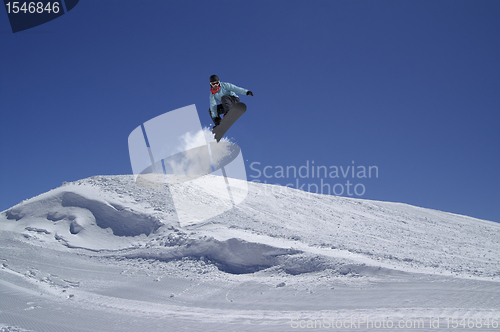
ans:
x=250 y=93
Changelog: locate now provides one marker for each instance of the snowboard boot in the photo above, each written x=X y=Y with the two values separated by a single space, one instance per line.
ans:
x=216 y=121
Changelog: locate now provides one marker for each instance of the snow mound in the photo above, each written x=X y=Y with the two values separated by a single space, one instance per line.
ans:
x=273 y=228
x=82 y=216
x=121 y=221
x=234 y=255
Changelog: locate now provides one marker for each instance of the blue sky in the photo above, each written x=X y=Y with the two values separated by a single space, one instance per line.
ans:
x=411 y=87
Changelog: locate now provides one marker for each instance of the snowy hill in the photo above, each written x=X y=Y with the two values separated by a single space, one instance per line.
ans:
x=114 y=249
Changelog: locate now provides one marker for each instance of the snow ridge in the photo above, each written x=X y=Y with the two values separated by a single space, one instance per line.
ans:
x=287 y=229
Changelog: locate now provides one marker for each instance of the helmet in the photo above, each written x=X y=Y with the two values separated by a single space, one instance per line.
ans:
x=214 y=78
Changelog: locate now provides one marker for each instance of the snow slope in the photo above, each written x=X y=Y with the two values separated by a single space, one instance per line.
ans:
x=111 y=256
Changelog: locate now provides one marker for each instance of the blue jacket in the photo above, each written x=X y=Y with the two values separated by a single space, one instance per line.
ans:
x=226 y=89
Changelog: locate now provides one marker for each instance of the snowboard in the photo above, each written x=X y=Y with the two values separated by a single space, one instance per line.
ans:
x=229 y=119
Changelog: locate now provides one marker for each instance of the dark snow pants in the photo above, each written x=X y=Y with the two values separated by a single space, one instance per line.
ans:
x=226 y=103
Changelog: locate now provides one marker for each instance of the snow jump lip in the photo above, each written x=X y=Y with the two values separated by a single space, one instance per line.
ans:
x=188 y=165
x=172 y=152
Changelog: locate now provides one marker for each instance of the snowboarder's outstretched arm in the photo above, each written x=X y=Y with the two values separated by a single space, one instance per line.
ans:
x=233 y=88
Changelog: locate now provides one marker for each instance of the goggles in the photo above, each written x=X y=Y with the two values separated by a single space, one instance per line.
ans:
x=214 y=83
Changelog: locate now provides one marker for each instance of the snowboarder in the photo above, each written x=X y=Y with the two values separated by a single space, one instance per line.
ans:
x=226 y=95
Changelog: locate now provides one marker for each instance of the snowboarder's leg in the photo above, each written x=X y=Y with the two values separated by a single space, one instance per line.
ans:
x=217 y=119
x=227 y=102
x=220 y=109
